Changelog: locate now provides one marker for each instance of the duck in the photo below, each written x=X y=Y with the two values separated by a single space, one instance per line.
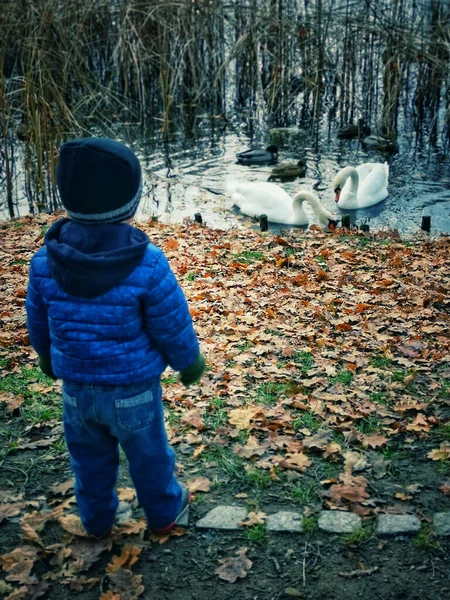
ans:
x=361 y=186
x=379 y=142
x=289 y=169
x=262 y=197
x=257 y=156
x=354 y=131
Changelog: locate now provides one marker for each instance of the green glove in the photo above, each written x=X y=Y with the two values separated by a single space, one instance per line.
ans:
x=193 y=373
x=45 y=364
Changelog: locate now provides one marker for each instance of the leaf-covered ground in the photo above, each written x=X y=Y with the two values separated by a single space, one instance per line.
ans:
x=327 y=387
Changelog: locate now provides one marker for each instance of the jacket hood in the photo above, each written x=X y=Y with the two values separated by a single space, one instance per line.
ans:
x=88 y=260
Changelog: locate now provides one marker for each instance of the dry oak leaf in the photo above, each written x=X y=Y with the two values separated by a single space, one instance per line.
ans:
x=86 y=552
x=126 y=584
x=251 y=449
x=351 y=493
x=109 y=595
x=241 y=417
x=129 y=555
x=131 y=527
x=171 y=244
x=200 y=484
x=374 y=440
x=319 y=440
x=234 y=568
x=194 y=418
x=420 y=424
x=79 y=583
x=11 y=510
x=32 y=591
x=298 y=462
x=62 y=488
x=162 y=539
x=127 y=494
x=445 y=488
x=441 y=453
x=11 y=400
x=253 y=518
x=19 y=564
x=72 y=524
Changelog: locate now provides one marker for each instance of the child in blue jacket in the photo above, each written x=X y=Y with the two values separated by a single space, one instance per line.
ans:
x=106 y=315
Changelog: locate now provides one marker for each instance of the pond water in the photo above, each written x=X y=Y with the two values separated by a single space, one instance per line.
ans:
x=189 y=177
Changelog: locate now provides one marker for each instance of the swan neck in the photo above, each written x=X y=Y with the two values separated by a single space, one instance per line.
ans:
x=354 y=180
x=313 y=201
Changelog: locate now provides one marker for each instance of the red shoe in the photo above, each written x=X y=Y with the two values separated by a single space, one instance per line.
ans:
x=186 y=498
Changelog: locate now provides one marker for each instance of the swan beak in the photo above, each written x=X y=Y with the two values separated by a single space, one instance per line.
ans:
x=332 y=224
x=337 y=191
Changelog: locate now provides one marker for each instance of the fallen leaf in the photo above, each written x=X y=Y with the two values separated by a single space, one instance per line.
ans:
x=319 y=440
x=298 y=461
x=241 y=417
x=374 y=440
x=129 y=555
x=171 y=244
x=200 y=484
x=61 y=489
x=445 y=488
x=234 y=568
x=11 y=510
x=441 y=453
x=12 y=401
x=127 y=585
x=72 y=524
x=127 y=494
x=254 y=518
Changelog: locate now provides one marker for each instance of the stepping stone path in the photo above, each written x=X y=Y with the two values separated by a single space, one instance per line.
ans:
x=223 y=517
x=441 y=523
x=397 y=524
x=334 y=521
x=330 y=521
x=285 y=521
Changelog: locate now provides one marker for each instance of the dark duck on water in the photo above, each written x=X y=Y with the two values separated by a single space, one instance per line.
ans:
x=258 y=156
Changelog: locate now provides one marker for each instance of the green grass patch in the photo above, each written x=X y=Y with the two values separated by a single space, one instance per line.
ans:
x=369 y=424
x=399 y=375
x=360 y=536
x=305 y=492
x=309 y=524
x=245 y=346
x=255 y=533
x=381 y=362
x=306 y=420
x=226 y=460
x=269 y=393
x=344 y=376
x=248 y=257
x=426 y=538
x=380 y=398
x=169 y=380
x=191 y=276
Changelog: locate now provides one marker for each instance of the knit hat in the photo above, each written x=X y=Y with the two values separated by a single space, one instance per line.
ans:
x=99 y=180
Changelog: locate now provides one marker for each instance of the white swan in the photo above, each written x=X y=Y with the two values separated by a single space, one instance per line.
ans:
x=362 y=186
x=258 y=198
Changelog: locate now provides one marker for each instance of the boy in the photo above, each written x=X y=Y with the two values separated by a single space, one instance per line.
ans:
x=106 y=315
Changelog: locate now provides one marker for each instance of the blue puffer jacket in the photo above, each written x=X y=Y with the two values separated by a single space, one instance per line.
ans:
x=103 y=302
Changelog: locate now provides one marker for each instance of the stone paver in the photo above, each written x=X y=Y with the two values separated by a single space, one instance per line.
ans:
x=397 y=524
x=285 y=521
x=223 y=517
x=338 y=521
x=441 y=523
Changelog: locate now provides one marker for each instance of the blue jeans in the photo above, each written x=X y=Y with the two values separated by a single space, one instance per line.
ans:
x=99 y=418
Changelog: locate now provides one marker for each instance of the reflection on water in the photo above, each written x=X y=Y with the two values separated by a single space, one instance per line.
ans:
x=182 y=180
x=187 y=177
